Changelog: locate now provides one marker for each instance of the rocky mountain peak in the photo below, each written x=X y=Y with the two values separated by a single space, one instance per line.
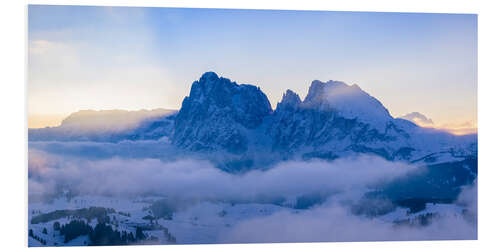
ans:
x=349 y=101
x=319 y=90
x=217 y=112
x=289 y=99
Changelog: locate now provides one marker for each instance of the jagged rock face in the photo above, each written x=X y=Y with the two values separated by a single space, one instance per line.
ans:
x=349 y=101
x=217 y=114
x=334 y=120
x=334 y=117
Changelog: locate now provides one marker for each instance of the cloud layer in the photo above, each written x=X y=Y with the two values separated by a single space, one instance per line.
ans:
x=66 y=166
x=333 y=222
x=199 y=179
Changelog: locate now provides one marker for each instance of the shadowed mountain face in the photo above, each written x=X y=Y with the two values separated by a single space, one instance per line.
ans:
x=217 y=113
x=335 y=119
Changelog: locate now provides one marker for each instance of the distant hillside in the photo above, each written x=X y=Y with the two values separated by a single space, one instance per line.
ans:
x=105 y=125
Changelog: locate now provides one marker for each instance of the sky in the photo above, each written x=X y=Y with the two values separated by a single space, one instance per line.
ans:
x=144 y=58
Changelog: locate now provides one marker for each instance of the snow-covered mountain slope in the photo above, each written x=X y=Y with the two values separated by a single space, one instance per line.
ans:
x=334 y=120
x=212 y=222
x=333 y=115
x=348 y=101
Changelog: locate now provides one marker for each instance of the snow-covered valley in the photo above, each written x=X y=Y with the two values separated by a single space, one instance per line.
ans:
x=219 y=222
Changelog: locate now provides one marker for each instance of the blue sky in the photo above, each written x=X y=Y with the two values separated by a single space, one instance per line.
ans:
x=134 y=58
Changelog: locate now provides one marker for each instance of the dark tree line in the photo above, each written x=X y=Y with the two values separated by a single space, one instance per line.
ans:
x=101 y=235
x=36 y=237
x=74 y=229
x=82 y=213
x=104 y=235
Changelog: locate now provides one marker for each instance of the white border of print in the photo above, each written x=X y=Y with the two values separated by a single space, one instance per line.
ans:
x=13 y=110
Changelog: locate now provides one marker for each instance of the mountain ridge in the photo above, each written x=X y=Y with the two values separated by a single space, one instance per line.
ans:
x=334 y=120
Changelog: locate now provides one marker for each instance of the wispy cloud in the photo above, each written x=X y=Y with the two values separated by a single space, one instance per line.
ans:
x=54 y=167
x=417 y=118
x=334 y=222
x=457 y=128
x=200 y=179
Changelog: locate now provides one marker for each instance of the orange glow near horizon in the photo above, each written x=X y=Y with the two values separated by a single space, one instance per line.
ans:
x=465 y=128
x=42 y=121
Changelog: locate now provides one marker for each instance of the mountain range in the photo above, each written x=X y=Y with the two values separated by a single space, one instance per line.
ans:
x=334 y=120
